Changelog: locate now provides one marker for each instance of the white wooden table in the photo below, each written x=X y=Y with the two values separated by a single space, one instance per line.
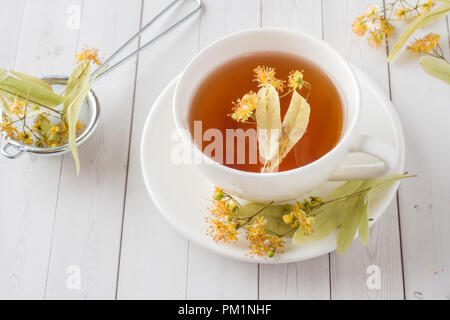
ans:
x=104 y=221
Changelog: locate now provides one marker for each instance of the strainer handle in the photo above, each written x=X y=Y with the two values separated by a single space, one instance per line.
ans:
x=104 y=68
x=6 y=153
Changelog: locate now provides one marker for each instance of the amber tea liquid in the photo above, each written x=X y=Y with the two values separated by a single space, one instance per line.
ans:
x=212 y=105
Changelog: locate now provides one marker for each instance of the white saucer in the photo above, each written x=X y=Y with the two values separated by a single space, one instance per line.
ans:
x=181 y=192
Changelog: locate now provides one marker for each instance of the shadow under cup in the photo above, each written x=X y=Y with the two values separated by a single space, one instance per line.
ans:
x=316 y=51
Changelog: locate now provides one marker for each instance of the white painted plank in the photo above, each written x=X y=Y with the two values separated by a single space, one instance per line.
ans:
x=303 y=15
x=307 y=279
x=11 y=18
x=153 y=262
x=29 y=185
x=89 y=212
x=423 y=105
x=211 y=276
x=348 y=271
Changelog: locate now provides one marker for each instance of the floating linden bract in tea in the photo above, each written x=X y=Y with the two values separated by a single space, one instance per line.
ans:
x=275 y=138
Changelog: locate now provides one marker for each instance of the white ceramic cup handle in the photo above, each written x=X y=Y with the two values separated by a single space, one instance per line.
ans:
x=375 y=147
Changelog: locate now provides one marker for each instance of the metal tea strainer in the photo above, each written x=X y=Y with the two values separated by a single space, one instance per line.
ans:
x=90 y=111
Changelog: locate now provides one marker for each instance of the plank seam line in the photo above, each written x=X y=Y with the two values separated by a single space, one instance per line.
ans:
x=187 y=271
x=388 y=65
x=188 y=241
x=20 y=34
x=77 y=43
x=129 y=152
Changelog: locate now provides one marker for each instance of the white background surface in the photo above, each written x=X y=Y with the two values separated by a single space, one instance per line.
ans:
x=104 y=221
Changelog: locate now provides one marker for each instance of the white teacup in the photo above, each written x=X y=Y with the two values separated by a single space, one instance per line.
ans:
x=290 y=184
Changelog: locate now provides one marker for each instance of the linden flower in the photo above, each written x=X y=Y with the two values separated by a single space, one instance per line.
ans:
x=359 y=26
x=25 y=138
x=88 y=55
x=401 y=13
x=17 y=107
x=244 y=108
x=222 y=227
x=222 y=230
x=375 y=24
x=372 y=12
x=426 y=7
x=425 y=44
x=264 y=75
x=385 y=28
x=222 y=208
x=375 y=39
x=262 y=244
x=295 y=79
x=298 y=218
x=7 y=129
x=79 y=126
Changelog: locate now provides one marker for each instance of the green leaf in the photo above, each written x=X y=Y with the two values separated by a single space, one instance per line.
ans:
x=4 y=103
x=363 y=229
x=345 y=209
x=325 y=222
x=46 y=125
x=350 y=223
x=273 y=215
x=29 y=88
x=433 y=15
x=436 y=67
x=7 y=98
x=345 y=190
x=78 y=87
x=329 y=215
x=27 y=77
x=76 y=79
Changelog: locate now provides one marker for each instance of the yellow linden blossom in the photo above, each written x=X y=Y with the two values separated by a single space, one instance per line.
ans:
x=386 y=28
x=298 y=218
x=222 y=227
x=17 y=107
x=425 y=44
x=401 y=13
x=262 y=244
x=221 y=208
x=222 y=230
x=79 y=126
x=359 y=26
x=295 y=79
x=55 y=129
x=88 y=55
x=382 y=32
x=373 y=23
x=244 y=108
x=375 y=39
x=372 y=11
x=25 y=138
x=426 y=7
x=7 y=129
x=264 y=75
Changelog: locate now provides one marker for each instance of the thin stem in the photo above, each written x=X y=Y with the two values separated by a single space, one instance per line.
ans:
x=231 y=198
x=287 y=93
x=356 y=193
x=342 y=198
x=255 y=214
